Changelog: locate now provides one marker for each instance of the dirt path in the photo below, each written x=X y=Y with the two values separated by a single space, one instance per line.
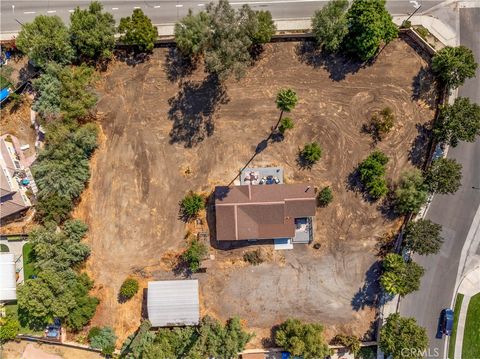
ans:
x=164 y=138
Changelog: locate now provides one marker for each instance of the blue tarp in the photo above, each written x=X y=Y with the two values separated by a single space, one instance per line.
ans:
x=4 y=93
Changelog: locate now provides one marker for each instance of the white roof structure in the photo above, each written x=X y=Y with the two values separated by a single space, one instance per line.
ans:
x=8 y=279
x=173 y=303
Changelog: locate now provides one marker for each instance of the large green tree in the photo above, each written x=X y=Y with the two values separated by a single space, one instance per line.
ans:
x=302 y=339
x=444 y=176
x=453 y=65
x=369 y=26
x=411 y=193
x=192 y=33
x=103 y=339
x=229 y=42
x=403 y=338
x=9 y=328
x=329 y=25
x=138 y=342
x=46 y=39
x=92 y=32
x=265 y=29
x=400 y=276
x=137 y=30
x=423 y=237
x=65 y=92
x=458 y=122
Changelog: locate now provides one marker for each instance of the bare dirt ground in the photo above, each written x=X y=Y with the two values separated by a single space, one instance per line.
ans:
x=25 y=350
x=164 y=135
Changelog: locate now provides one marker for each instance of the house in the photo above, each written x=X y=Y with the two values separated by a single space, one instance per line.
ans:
x=173 y=303
x=13 y=200
x=8 y=278
x=254 y=212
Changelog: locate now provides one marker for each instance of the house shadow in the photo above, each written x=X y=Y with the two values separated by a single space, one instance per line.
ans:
x=178 y=66
x=192 y=110
x=337 y=65
x=369 y=294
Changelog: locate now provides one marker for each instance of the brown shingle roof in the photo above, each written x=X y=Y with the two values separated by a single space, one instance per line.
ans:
x=261 y=211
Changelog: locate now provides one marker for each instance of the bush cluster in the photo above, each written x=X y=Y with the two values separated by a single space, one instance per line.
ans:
x=372 y=174
x=194 y=254
x=129 y=288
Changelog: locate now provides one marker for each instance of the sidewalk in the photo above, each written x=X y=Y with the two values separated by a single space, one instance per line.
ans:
x=443 y=32
x=469 y=286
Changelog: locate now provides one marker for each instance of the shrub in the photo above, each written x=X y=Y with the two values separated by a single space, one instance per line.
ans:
x=253 y=257
x=93 y=332
x=411 y=194
x=104 y=339
x=191 y=204
x=311 y=153
x=372 y=174
x=129 y=288
x=286 y=123
x=195 y=252
x=325 y=196
x=349 y=341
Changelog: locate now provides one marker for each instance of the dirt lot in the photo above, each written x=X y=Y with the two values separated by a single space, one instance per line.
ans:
x=24 y=350
x=163 y=136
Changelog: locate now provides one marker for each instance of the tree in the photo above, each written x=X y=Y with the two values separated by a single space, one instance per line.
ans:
x=286 y=100
x=444 y=176
x=372 y=174
x=93 y=32
x=369 y=25
x=137 y=343
x=453 y=65
x=311 y=153
x=192 y=33
x=104 y=339
x=325 y=196
x=301 y=339
x=423 y=237
x=45 y=40
x=195 y=252
x=75 y=229
x=349 y=341
x=65 y=92
x=129 y=288
x=329 y=25
x=137 y=30
x=86 y=138
x=56 y=250
x=403 y=338
x=53 y=208
x=229 y=41
x=265 y=27
x=400 y=277
x=458 y=122
x=9 y=328
x=191 y=204
x=411 y=193
x=286 y=123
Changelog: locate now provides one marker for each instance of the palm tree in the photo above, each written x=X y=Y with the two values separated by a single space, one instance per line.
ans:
x=286 y=102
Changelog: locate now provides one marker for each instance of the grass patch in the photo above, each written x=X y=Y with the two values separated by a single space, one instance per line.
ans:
x=4 y=248
x=451 y=342
x=471 y=336
x=28 y=269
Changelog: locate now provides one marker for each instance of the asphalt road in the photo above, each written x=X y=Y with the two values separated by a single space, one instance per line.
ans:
x=454 y=212
x=14 y=12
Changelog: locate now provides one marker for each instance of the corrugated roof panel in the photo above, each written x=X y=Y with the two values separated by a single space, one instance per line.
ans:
x=173 y=303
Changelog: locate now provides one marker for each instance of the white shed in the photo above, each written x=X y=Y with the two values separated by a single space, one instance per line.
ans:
x=8 y=278
x=173 y=303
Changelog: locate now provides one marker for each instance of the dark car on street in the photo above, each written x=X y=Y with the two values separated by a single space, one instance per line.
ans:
x=446 y=323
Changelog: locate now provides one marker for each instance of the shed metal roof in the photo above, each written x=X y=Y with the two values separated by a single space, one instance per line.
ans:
x=8 y=279
x=173 y=303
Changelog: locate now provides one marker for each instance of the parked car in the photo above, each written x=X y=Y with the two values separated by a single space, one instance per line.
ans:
x=446 y=322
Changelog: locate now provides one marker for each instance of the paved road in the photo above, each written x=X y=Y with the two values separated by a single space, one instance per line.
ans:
x=454 y=212
x=14 y=12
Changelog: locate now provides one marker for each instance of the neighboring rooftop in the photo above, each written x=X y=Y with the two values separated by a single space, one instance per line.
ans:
x=173 y=303
x=262 y=212
x=8 y=279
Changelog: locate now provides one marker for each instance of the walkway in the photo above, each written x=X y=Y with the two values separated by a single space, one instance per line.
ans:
x=469 y=286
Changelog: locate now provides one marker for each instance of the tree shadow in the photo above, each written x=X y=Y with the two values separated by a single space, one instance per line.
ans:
x=420 y=145
x=387 y=206
x=192 y=110
x=131 y=57
x=337 y=65
x=424 y=88
x=178 y=66
x=368 y=295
